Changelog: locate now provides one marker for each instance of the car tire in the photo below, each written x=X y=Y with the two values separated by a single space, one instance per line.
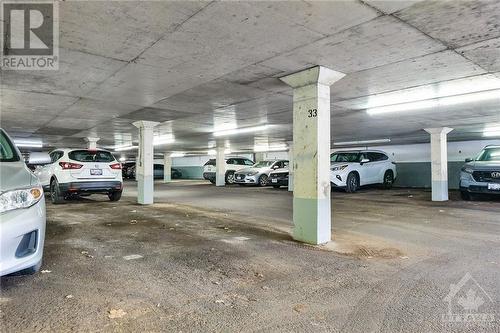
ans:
x=263 y=180
x=230 y=177
x=352 y=183
x=242 y=184
x=466 y=196
x=212 y=181
x=55 y=193
x=388 y=179
x=115 y=195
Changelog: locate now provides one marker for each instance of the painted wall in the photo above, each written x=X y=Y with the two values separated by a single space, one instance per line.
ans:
x=413 y=161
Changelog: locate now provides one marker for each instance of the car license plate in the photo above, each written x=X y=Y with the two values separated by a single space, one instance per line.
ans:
x=274 y=180
x=494 y=187
x=96 y=172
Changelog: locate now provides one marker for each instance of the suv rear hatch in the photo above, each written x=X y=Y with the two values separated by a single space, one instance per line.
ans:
x=96 y=164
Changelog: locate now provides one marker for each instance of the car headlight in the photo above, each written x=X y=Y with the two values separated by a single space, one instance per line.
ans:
x=339 y=168
x=22 y=198
x=253 y=173
x=468 y=170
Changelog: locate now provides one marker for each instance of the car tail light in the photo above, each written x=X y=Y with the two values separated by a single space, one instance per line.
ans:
x=116 y=166
x=69 y=165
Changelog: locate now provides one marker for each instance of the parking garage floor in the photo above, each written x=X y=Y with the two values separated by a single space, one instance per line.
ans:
x=178 y=267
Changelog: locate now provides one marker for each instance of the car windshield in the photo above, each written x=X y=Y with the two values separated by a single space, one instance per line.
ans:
x=263 y=164
x=489 y=154
x=7 y=151
x=210 y=162
x=91 y=156
x=345 y=157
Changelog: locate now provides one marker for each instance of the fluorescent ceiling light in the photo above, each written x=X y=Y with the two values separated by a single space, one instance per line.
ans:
x=123 y=148
x=264 y=148
x=163 y=139
x=214 y=152
x=437 y=102
x=241 y=130
x=490 y=134
x=347 y=143
x=28 y=143
x=177 y=154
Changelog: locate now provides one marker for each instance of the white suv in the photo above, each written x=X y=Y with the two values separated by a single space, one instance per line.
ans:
x=355 y=168
x=81 y=172
x=233 y=164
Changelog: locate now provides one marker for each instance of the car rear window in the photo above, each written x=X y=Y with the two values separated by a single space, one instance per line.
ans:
x=91 y=156
x=210 y=162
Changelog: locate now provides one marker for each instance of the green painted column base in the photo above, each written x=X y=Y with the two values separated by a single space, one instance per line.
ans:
x=312 y=220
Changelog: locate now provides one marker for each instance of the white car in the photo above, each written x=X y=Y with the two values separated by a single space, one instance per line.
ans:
x=258 y=173
x=22 y=212
x=233 y=164
x=351 y=169
x=81 y=172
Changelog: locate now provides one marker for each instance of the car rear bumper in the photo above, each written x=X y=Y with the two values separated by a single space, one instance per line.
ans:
x=91 y=187
x=21 y=238
x=209 y=176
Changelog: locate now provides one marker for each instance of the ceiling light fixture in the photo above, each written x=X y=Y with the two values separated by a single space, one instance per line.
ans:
x=264 y=148
x=178 y=154
x=163 y=140
x=437 y=102
x=241 y=130
x=28 y=144
x=123 y=148
x=349 y=143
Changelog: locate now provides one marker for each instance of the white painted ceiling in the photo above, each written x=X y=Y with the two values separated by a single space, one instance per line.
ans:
x=198 y=67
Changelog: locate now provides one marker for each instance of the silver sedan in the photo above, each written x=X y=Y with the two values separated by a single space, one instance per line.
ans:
x=258 y=173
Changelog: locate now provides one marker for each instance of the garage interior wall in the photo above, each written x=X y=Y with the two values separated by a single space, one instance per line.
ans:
x=413 y=161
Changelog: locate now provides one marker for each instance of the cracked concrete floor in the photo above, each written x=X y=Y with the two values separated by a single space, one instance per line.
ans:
x=212 y=259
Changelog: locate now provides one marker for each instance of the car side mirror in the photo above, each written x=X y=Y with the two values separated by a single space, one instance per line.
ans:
x=467 y=160
x=364 y=160
x=38 y=158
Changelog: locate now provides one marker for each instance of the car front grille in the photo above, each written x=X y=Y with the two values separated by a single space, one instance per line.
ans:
x=487 y=176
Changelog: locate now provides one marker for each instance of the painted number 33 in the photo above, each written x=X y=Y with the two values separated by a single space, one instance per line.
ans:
x=312 y=113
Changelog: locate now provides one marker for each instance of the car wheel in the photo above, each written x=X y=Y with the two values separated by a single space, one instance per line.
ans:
x=263 y=180
x=55 y=193
x=465 y=195
x=230 y=178
x=242 y=184
x=352 y=183
x=388 y=179
x=212 y=181
x=115 y=195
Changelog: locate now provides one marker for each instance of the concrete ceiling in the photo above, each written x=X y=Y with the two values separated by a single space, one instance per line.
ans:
x=198 y=67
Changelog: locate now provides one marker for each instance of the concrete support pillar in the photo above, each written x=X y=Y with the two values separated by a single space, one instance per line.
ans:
x=167 y=168
x=92 y=143
x=439 y=162
x=220 y=166
x=259 y=156
x=144 y=163
x=311 y=153
x=290 y=166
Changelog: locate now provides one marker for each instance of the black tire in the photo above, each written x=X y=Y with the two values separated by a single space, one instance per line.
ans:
x=115 y=195
x=241 y=184
x=263 y=180
x=352 y=183
x=388 y=179
x=465 y=196
x=212 y=181
x=276 y=186
x=55 y=193
x=230 y=177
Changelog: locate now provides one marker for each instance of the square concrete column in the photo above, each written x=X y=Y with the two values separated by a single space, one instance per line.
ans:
x=92 y=143
x=259 y=156
x=290 y=166
x=439 y=162
x=311 y=153
x=144 y=163
x=167 y=168
x=220 y=166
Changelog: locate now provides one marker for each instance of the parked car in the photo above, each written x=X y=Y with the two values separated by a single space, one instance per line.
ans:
x=351 y=169
x=233 y=164
x=22 y=211
x=482 y=174
x=258 y=173
x=81 y=172
x=126 y=171
x=157 y=172
x=279 y=177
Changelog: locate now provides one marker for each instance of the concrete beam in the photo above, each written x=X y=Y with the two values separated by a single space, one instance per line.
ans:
x=311 y=153
x=439 y=162
x=144 y=164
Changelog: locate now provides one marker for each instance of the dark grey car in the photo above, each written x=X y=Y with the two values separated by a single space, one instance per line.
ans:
x=482 y=174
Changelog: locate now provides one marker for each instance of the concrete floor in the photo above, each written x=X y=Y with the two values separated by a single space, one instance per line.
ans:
x=202 y=268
